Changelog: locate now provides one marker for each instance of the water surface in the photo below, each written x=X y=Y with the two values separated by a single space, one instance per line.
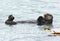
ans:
x=28 y=10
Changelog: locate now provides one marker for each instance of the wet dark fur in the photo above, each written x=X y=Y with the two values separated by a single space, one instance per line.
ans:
x=40 y=20
x=10 y=21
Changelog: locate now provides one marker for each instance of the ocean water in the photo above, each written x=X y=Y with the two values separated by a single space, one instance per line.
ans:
x=28 y=10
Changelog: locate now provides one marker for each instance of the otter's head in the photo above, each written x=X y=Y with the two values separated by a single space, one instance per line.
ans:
x=48 y=16
x=11 y=18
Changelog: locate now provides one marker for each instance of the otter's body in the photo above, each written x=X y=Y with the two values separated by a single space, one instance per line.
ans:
x=10 y=22
x=28 y=21
x=40 y=20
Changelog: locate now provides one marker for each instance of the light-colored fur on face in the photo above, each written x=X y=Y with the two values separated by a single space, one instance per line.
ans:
x=48 y=16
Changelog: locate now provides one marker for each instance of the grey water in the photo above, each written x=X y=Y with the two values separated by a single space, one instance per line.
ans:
x=28 y=10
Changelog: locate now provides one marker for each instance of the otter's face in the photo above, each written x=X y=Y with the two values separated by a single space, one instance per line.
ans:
x=48 y=17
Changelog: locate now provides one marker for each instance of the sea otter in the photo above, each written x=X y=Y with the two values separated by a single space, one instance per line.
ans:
x=47 y=19
x=10 y=21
